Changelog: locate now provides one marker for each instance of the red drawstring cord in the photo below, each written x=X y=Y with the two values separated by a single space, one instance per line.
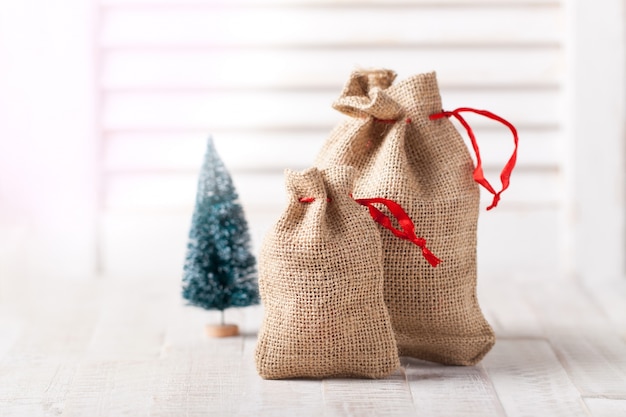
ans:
x=479 y=176
x=405 y=222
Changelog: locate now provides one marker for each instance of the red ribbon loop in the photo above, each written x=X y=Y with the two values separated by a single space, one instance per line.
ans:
x=479 y=176
x=407 y=231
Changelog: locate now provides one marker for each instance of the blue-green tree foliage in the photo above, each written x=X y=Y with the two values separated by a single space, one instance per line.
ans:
x=220 y=270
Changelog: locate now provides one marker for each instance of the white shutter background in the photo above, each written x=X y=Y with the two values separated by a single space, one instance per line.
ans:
x=260 y=76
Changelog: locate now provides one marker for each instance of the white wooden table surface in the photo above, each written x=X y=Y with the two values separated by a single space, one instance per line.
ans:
x=109 y=347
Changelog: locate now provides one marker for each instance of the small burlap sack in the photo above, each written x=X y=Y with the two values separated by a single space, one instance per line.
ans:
x=402 y=154
x=321 y=283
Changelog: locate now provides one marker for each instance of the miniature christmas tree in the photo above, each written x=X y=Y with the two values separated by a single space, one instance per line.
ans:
x=220 y=270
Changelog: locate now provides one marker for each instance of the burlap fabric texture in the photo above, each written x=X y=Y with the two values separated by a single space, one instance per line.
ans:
x=425 y=166
x=321 y=283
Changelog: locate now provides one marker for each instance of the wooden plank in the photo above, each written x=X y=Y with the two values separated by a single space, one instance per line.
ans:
x=275 y=151
x=199 y=379
x=218 y=110
x=596 y=363
x=190 y=357
x=427 y=3
x=186 y=324
x=530 y=381
x=300 y=397
x=390 y=396
x=220 y=26
x=54 y=316
x=123 y=330
x=239 y=109
x=56 y=320
x=112 y=388
x=27 y=409
x=605 y=407
x=592 y=354
x=157 y=376
x=150 y=191
x=296 y=68
x=32 y=384
x=451 y=391
x=47 y=372
x=247 y=151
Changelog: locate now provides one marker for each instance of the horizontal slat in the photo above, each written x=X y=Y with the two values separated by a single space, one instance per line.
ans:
x=144 y=244
x=381 y=3
x=314 y=26
x=275 y=151
x=140 y=244
x=177 y=191
x=215 y=110
x=294 y=68
x=184 y=152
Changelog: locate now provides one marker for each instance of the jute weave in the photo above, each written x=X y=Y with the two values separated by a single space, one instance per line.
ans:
x=321 y=283
x=424 y=165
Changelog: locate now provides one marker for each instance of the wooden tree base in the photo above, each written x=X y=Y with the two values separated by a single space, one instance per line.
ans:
x=221 y=330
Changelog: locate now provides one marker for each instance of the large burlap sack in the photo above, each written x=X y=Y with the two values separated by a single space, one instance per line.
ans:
x=401 y=154
x=321 y=283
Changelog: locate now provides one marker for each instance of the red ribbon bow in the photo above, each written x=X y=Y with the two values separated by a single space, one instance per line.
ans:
x=407 y=231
